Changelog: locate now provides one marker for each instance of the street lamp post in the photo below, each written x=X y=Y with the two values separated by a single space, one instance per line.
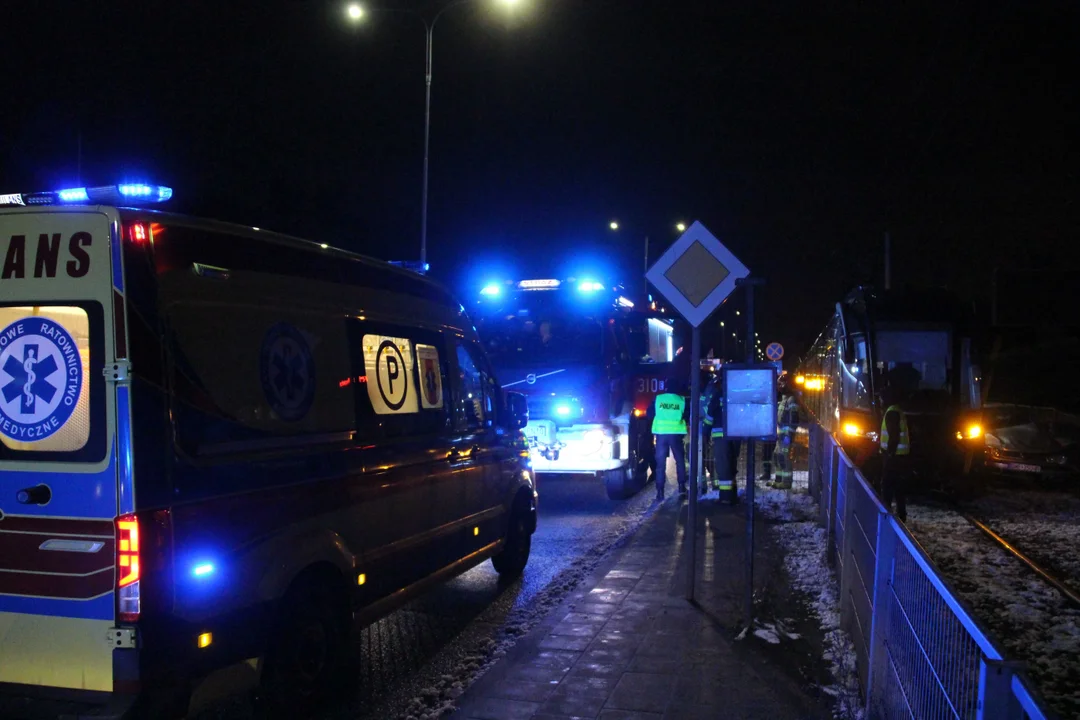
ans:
x=614 y=226
x=357 y=12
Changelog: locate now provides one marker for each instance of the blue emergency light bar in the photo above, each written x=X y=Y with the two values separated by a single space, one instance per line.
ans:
x=123 y=194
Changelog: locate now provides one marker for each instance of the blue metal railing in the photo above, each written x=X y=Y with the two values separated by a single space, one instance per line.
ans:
x=920 y=652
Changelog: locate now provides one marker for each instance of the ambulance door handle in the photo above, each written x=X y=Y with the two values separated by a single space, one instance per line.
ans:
x=456 y=456
x=37 y=495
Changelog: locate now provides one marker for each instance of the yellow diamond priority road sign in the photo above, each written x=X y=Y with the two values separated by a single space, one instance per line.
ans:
x=696 y=274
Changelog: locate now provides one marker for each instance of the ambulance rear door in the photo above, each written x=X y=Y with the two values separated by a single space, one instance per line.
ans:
x=61 y=312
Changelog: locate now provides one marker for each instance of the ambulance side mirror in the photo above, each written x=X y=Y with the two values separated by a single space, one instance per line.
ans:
x=517 y=407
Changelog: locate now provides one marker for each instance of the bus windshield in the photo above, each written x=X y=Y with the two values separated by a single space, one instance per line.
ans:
x=919 y=361
x=544 y=339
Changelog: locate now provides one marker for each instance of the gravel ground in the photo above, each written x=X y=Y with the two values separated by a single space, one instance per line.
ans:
x=1045 y=526
x=1029 y=618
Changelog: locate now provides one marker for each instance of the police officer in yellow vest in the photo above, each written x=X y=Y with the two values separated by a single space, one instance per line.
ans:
x=670 y=416
x=896 y=448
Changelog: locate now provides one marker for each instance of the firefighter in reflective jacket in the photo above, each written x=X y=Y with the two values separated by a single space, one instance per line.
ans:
x=787 y=419
x=725 y=453
x=896 y=448
x=670 y=416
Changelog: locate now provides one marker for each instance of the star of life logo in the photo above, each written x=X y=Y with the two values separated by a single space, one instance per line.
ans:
x=287 y=371
x=40 y=378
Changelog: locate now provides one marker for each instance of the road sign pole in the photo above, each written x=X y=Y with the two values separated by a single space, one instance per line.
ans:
x=696 y=274
x=751 y=467
x=695 y=421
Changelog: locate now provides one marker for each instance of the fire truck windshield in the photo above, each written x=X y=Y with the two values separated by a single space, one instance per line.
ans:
x=542 y=340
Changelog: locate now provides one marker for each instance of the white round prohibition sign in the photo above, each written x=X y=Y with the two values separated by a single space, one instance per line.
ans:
x=390 y=375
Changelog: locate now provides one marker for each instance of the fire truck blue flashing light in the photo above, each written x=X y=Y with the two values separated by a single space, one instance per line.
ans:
x=562 y=410
x=203 y=569
x=491 y=290
x=589 y=286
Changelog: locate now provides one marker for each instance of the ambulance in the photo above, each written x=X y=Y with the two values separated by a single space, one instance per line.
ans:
x=220 y=446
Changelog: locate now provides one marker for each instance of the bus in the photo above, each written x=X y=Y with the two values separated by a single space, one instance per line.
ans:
x=873 y=333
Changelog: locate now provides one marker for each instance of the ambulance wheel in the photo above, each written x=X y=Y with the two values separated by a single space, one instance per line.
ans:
x=307 y=658
x=512 y=559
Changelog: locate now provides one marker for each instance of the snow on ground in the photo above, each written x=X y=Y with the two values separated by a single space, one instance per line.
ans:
x=1031 y=621
x=1045 y=526
x=796 y=530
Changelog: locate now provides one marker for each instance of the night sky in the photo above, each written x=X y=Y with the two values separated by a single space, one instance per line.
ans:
x=798 y=134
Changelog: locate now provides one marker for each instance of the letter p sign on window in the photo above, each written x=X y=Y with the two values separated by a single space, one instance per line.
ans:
x=389 y=366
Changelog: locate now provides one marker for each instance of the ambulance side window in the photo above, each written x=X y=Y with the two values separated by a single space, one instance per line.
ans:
x=474 y=391
x=244 y=375
x=402 y=375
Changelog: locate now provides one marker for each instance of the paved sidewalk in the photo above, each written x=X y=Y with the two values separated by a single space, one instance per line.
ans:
x=628 y=646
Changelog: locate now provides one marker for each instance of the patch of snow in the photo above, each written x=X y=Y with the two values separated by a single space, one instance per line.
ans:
x=795 y=514
x=768 y=634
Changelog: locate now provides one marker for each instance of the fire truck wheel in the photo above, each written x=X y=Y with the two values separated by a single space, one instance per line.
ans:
x=621 y=483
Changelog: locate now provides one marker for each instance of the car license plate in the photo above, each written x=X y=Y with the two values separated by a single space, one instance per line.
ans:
x=539 y=431
x=1019 y=467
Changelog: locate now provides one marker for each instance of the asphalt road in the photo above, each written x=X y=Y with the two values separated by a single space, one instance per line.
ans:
x=422 y=656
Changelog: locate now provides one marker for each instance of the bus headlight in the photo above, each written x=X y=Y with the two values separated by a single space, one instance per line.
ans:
x=973 y=432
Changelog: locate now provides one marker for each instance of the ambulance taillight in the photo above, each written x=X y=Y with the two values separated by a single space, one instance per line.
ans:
x=127 y=568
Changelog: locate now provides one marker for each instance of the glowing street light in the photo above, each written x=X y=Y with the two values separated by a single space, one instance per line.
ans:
x=355 y=11
x=681 y=227
x=613 y=225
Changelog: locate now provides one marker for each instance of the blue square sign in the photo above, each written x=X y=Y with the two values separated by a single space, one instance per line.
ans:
x=750 y=402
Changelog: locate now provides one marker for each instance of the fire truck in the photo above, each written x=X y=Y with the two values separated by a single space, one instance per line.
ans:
x=591 y=358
